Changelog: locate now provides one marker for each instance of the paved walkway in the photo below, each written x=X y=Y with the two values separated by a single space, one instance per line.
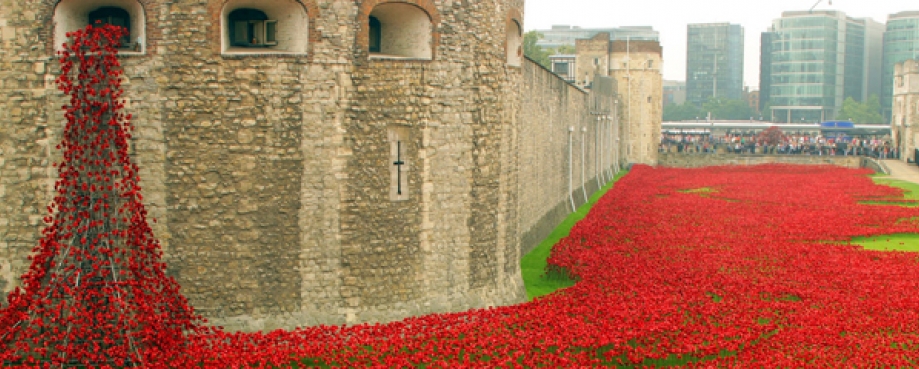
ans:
x=900 y=170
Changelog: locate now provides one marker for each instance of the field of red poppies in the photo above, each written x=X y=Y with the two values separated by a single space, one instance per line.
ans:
x=721 y=266
x=713 y=267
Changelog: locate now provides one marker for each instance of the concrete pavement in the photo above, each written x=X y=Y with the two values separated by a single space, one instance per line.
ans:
x=900 y=170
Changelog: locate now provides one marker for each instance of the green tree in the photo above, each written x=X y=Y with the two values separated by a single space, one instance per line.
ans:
x=767 y=111
x=725 y=109
x=564 y=49
x=534 y=51
x=861 y=113
x=681 y=112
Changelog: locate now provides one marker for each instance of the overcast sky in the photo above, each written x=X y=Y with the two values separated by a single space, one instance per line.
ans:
x=670 y=17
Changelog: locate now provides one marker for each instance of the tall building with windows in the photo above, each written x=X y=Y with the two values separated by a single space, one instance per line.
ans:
x=817 y=60
x=765 y=73
x=901 y=43
x=714 y=62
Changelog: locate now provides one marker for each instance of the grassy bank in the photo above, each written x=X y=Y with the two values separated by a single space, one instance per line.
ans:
x=533 y=264
x=894 y=242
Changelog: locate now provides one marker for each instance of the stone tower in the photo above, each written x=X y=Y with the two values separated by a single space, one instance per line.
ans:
x=308 y=161
x=636 y=66
x=905 y=120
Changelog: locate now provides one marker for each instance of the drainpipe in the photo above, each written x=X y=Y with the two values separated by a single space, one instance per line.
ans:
x=571 y=168
x=597 y=150
x=583 y=160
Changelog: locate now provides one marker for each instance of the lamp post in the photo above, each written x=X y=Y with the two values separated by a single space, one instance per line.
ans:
x=811 y=10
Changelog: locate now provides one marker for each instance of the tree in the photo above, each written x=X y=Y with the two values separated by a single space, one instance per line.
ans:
x=681 y=112
x=534 y=51
x=767 y=111
x=724 y=109
x=771 y=136
x=564 y=49
x=861 y=113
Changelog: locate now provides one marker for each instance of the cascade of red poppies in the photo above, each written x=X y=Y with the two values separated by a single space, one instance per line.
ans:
x=96 y=293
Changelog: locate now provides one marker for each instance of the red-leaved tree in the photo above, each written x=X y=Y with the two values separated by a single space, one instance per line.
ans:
x=771 y=136
x=96 y=293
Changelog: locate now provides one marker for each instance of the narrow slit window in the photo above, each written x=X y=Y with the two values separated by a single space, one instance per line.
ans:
x=376 y=35
x=398 y=164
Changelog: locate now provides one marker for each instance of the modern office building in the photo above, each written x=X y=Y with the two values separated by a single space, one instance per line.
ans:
x=714 y=62
x=817 y=60
x=674 y=92
x=901 y=43
x=566 y=35
x=765 y=73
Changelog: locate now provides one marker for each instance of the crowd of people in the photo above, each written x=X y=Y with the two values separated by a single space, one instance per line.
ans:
x=792 y=144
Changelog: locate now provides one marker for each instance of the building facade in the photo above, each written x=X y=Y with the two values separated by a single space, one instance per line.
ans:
x=817 y=60
x=674 y=92
x=327 y=162
x=905 y=109
x=564 y=66
x=901 y=43
x=635 y=66
x=714 y=62
x=563 y=35
x=765 y=74
x=753 y=99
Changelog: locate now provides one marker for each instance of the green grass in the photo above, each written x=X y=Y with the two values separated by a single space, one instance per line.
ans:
x=910 y=189
x=894 y=242
x=533 y=264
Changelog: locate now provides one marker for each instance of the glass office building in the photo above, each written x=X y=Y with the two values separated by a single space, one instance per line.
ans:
x=714 y=62
x=765 y=71
x=817 y=60
x=901 y=43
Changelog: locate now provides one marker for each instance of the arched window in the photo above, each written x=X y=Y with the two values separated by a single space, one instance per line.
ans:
x=70 y=16
x=273 y=26
x=404 y=31
x=116 y=17
x=514 y=44
x=252 y=28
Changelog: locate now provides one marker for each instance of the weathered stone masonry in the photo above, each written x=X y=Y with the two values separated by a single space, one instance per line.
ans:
x=270 y=173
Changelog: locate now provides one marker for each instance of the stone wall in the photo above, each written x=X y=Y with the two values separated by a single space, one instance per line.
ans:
x=557 y=117
x=592 y=57
x=637 y=65
x=905 y=119
x=328 y=186
x=680 y=160
x=270 y=172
